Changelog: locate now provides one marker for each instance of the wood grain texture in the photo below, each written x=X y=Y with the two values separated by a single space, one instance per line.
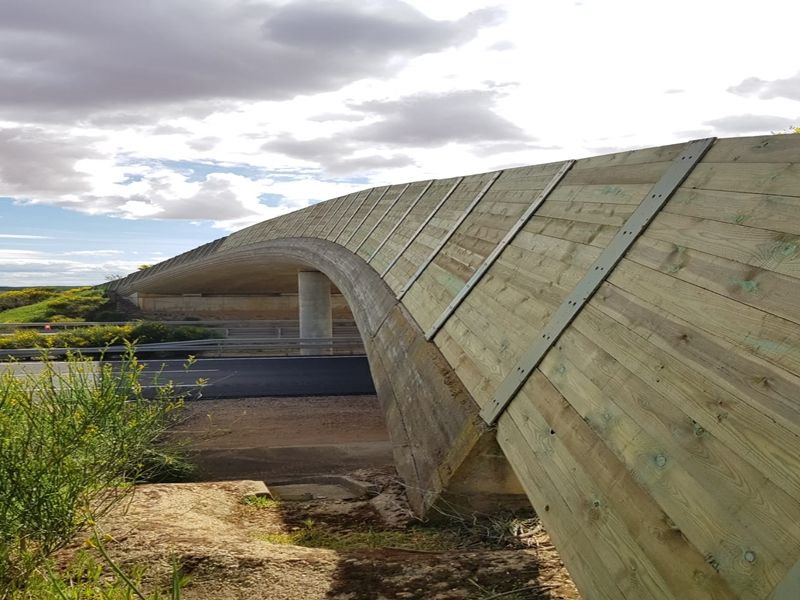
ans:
x=659 y=437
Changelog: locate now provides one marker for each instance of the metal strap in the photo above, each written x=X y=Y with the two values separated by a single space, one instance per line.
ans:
x=329 y=206
x=449 y=234
x=489 y=260
x=366 y=216
x=422 y=226
x=317 y=210
x=301 y=221
x=400 y=221
x=341 y=209
x=382 y=217
x=354 y=213
x=597 y=273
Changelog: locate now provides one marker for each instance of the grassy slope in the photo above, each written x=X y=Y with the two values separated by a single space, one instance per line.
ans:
x=75 y=304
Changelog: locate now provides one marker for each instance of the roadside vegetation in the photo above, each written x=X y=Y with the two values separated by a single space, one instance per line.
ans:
x=34 y=305
x=98 y=336
x=73 y=441
x=53 y=306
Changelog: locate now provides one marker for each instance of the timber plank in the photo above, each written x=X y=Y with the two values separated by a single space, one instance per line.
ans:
x=392 y=217
x=591 y=234
x=347 y=214
x=382 y=202
x=587 y=212
x=724 y=506
x=360 y=213
x=756 y=178
x=765 y=290
x=411 y=223
x=326 y=208
x=756 y=149
x=760 y=248
x=631 y=157
x=647 y=558
x=755 y=332
x=762 y=211
x=578 y=548
x=625 y=174
x=327 y=218
x=603 y=194
x=672 y=357
x=437 y=228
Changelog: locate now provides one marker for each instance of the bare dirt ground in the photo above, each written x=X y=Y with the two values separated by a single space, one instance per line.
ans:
x=281 y=550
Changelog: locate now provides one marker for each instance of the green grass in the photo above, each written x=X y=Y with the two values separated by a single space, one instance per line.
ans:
x=71 y=441
x=76 y=304
x=260 y=502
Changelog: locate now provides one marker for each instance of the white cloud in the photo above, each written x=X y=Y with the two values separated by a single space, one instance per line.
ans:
x=17 y=236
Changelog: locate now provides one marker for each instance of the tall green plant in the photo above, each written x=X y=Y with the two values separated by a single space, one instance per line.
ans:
x=71 y=436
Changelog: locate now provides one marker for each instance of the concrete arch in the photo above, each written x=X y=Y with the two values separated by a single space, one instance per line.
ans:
x=442 y=449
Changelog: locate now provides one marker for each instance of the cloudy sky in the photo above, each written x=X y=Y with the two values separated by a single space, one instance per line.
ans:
x=132 y=131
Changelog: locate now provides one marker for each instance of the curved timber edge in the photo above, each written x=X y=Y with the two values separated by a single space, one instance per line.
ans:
x=446 y=455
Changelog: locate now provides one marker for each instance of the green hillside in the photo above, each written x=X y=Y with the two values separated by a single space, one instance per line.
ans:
x=31 y=305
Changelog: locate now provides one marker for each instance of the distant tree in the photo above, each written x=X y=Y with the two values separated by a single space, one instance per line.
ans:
x=143 y=267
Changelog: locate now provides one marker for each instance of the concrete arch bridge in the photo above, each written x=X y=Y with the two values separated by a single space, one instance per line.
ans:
x=618 y=335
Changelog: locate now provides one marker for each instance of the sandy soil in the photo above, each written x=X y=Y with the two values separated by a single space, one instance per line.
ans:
x=220 y=541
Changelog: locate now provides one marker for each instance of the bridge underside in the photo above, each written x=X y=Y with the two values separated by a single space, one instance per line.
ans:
x=625 y=328
x=443 y=451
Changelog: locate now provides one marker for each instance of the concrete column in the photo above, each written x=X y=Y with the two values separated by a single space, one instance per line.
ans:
x=314 y=300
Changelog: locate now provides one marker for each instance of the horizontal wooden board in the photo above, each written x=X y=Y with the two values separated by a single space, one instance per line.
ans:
x=761 y=248
x=766 y=290
x=754 y=332
x=424 y=208
x=721 y=504
x=747 y=403
x=645 y=556
x=762 y=211
x=757 y=149
x=755 y=178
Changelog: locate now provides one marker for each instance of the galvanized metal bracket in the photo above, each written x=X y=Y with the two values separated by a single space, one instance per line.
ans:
x=366 y=216
x=449 y=235
x=670 y=181
x=329 y=215
x=354 y=213
x=402 y=218
x=422 y=226
x=301 y=222
x=340 y=210
x=382 y=217
x=353 y=201
x=498 y=250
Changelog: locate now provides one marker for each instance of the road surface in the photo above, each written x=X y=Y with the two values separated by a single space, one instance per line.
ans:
x=253 y=377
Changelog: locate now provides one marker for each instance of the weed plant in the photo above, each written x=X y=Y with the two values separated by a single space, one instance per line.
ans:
x=72 y=439
x=77 y=304
x=98 y=336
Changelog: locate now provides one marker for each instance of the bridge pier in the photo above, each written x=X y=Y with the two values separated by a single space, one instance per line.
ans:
x=314 y=301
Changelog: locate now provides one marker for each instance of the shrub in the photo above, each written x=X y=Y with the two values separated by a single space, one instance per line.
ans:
x=98 y=336
x=69 y=440
x=24 y=297
x=77 y=304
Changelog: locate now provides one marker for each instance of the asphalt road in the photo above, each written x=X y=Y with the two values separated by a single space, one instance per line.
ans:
x=274 y=376
x=251 y=377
